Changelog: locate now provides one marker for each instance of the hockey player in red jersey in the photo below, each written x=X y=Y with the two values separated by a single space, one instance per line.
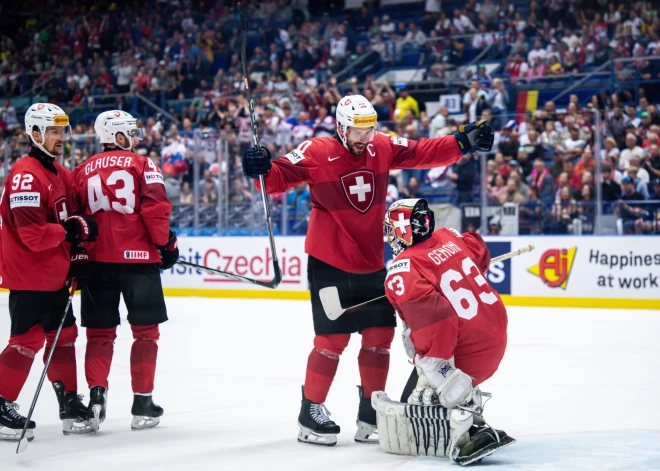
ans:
x=39 y=237
x=126 y=194
x=348 y=177
x=456 y=322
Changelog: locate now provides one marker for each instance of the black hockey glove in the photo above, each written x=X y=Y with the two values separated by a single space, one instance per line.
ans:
x=81 y=229
x=256 y=162
x=169 y=253
x=80 y=267
x=474 y=137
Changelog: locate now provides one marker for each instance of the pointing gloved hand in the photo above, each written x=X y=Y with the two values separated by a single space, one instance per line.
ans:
x=475 y=137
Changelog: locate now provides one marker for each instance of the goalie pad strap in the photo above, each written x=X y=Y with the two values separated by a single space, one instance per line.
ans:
x=415 y=430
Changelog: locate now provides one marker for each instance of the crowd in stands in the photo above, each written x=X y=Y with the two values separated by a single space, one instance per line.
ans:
x=183 y=57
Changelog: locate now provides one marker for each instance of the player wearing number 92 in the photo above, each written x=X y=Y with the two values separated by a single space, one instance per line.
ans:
x=125 y=192
x=348 y=177
x=39 y=233
x=456 y=322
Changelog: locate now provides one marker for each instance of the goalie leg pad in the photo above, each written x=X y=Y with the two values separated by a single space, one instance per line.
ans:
x=413 y=430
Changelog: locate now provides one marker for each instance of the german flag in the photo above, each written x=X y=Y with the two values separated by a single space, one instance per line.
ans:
x=527 y=101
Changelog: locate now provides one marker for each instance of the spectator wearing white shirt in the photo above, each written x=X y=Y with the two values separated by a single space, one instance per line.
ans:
x=537 y=51
x=642 y=173
x=387 y=26
x=439 y=122
x=573 y=144
x=462 y=22
x=631 y=149
x=483 y=39
x=338 y=44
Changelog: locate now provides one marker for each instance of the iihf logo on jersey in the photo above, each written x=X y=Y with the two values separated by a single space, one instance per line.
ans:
x=554 y=267
x=136 y=255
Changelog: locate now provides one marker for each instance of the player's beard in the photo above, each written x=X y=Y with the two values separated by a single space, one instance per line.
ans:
x=357 y=148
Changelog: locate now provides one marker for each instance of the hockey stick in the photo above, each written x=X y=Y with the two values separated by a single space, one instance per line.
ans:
x=255 y=140
x=23 y=442
x=211 y=271
x=332 y=304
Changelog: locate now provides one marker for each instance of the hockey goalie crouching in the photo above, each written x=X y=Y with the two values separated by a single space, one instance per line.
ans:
x=456 y=338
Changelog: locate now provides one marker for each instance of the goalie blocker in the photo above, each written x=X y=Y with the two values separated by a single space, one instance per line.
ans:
x=419 y=430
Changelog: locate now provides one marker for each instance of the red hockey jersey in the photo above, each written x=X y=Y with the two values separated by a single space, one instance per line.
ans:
x=35 y=202
x=125 y=193
x=439 y=289
x=348 y=192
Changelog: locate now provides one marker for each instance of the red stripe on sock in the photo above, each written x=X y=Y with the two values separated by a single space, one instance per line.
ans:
x=143 y=365
x=373 y=370
x=321 y=371
x=98 y=356
x=14 y=370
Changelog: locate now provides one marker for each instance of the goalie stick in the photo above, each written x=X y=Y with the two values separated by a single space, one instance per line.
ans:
x=332 y=303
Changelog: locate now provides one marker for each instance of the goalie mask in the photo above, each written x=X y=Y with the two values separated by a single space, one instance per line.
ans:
x=408 y=222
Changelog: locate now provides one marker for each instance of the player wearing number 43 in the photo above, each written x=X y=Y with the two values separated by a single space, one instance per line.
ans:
x=126 y=195
x=40 y=236
x=455 y=334
x=348 y=177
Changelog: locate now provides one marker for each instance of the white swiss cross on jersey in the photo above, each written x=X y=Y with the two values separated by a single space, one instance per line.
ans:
x=360 y=188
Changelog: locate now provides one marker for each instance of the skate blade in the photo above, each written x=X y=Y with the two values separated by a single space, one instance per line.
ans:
x=306 y=435
x=143 y=423
x=366 y=433
x=96 y=421
x=486 y=451
x=14 y=435
x=77 y=427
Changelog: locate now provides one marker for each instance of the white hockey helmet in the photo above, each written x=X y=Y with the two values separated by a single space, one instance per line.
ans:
x=43 y=116
x=110 y=123
x=357 y=112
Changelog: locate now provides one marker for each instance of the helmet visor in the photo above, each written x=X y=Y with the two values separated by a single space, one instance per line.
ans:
x=360 y=134
x=59 y=132
x=137 y=133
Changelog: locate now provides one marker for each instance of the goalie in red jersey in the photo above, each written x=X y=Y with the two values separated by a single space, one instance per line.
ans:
x=457 y=323
x=348 y=177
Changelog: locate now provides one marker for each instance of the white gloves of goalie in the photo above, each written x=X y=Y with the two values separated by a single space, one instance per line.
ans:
x=440 y=383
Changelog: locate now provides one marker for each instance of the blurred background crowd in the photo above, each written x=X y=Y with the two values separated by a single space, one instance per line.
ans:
x=570 y=86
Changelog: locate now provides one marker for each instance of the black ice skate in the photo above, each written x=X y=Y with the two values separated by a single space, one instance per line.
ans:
x=98 y=399
x=367 y=431
x=315 y=425
x=12 y=423
x=484 y=441
x=146 y=414
x=73 y=413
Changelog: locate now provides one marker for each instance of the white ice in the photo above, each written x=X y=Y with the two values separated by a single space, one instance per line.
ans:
x=577 y=388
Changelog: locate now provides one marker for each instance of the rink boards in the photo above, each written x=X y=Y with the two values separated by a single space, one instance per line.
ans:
x=563 y=271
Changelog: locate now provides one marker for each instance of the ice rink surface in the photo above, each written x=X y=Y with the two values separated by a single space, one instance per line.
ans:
x=578 y=388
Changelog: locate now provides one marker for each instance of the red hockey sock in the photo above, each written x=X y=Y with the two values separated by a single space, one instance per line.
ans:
x=143 y=357
x=322 y=365
x=374 y=358
x=63 y=363
x=98 y=356
x=16 y=360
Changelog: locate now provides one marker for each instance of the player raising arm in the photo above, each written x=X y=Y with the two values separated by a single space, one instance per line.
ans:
x=348 y=177
x=457 y=323
x=126 y=194
x=38 y=239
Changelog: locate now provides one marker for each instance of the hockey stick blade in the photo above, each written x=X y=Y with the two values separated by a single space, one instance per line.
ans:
x=274 y=283
x=332 y=303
